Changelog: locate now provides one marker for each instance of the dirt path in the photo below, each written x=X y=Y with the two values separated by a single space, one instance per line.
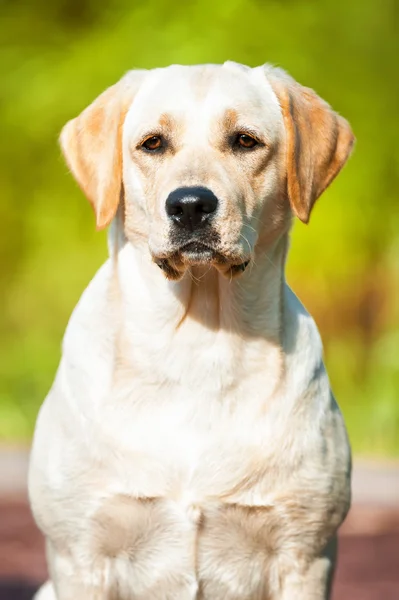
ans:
x=368 y=554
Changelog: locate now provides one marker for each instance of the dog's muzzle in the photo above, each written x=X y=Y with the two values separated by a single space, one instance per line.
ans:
x=196 y=254
x=195 y=241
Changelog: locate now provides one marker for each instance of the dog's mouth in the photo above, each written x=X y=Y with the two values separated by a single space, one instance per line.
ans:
x=197 y=253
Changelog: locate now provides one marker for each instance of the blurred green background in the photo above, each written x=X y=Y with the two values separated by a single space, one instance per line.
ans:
x=57 y=56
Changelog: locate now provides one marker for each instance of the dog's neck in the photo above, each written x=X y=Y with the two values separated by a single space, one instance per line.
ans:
x=250 y=304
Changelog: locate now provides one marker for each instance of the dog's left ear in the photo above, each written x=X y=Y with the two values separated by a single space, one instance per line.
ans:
x=319 y=141
x=92 y=146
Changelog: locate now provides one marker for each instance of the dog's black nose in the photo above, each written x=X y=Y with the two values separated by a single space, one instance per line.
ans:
x=191 y=207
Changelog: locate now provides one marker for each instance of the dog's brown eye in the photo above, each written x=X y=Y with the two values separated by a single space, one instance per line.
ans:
x=153 y=143
x=246 y=141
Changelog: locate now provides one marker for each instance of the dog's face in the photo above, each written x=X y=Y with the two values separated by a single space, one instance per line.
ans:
x=200 y=156
x=212 y=160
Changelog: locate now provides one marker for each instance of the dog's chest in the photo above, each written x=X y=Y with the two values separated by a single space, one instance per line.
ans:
x=177 y=472
x=183 y=419
x=192 y=437
x=188 y=493
x=196 y=499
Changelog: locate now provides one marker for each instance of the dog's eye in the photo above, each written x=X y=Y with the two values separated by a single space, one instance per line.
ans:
x=154 y=142
x=246 y=141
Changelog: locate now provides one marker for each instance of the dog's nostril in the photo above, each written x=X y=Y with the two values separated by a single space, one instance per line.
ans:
x=191 y=207
x=206 y=207
x=174 y=210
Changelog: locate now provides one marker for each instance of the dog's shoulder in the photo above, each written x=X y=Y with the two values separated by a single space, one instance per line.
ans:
x=301 y=342
x=88 y=313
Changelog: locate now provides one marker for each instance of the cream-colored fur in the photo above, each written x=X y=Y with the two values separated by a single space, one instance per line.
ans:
x=190 y=447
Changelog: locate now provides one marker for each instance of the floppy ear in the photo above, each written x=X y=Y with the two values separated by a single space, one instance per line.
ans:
x=319 y=142
x=92 y=146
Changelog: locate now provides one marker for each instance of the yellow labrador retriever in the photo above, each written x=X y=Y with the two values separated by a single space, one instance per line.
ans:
x=190 y=447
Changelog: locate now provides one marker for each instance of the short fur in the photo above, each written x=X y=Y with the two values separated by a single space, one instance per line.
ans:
x=190 y=446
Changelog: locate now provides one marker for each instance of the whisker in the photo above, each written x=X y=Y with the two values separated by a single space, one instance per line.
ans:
x=194 y=279
x=246 y=240
x=271 y=262
x=206 y=273
x=250 y=227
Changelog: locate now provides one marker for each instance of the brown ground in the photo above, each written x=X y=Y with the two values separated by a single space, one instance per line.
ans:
x=368 y=557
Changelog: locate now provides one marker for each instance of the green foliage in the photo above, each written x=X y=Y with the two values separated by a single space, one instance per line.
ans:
x=57 y=56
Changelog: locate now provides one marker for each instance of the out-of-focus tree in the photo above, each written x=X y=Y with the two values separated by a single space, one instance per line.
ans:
x=55 y=57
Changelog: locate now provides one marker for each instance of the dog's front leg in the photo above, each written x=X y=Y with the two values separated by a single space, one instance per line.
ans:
x=118 y=577
x=314 y=582
x=77 y=578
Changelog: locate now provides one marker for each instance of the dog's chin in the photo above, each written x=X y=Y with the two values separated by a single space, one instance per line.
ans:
x=197 y=254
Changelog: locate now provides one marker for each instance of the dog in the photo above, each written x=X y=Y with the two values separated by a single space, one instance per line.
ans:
x=190 y=446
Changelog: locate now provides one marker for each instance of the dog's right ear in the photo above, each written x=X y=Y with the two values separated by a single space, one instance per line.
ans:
x=319 y=141
x=92 y=146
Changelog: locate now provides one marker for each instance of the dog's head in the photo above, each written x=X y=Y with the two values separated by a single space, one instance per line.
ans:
x=209 y=161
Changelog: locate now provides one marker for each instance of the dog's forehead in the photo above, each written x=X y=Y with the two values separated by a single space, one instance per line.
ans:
x=206 y=91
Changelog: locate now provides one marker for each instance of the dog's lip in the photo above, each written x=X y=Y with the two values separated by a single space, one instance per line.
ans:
x=196 y=250
x=199 y=248
x=199 y=252
x=202 y=251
